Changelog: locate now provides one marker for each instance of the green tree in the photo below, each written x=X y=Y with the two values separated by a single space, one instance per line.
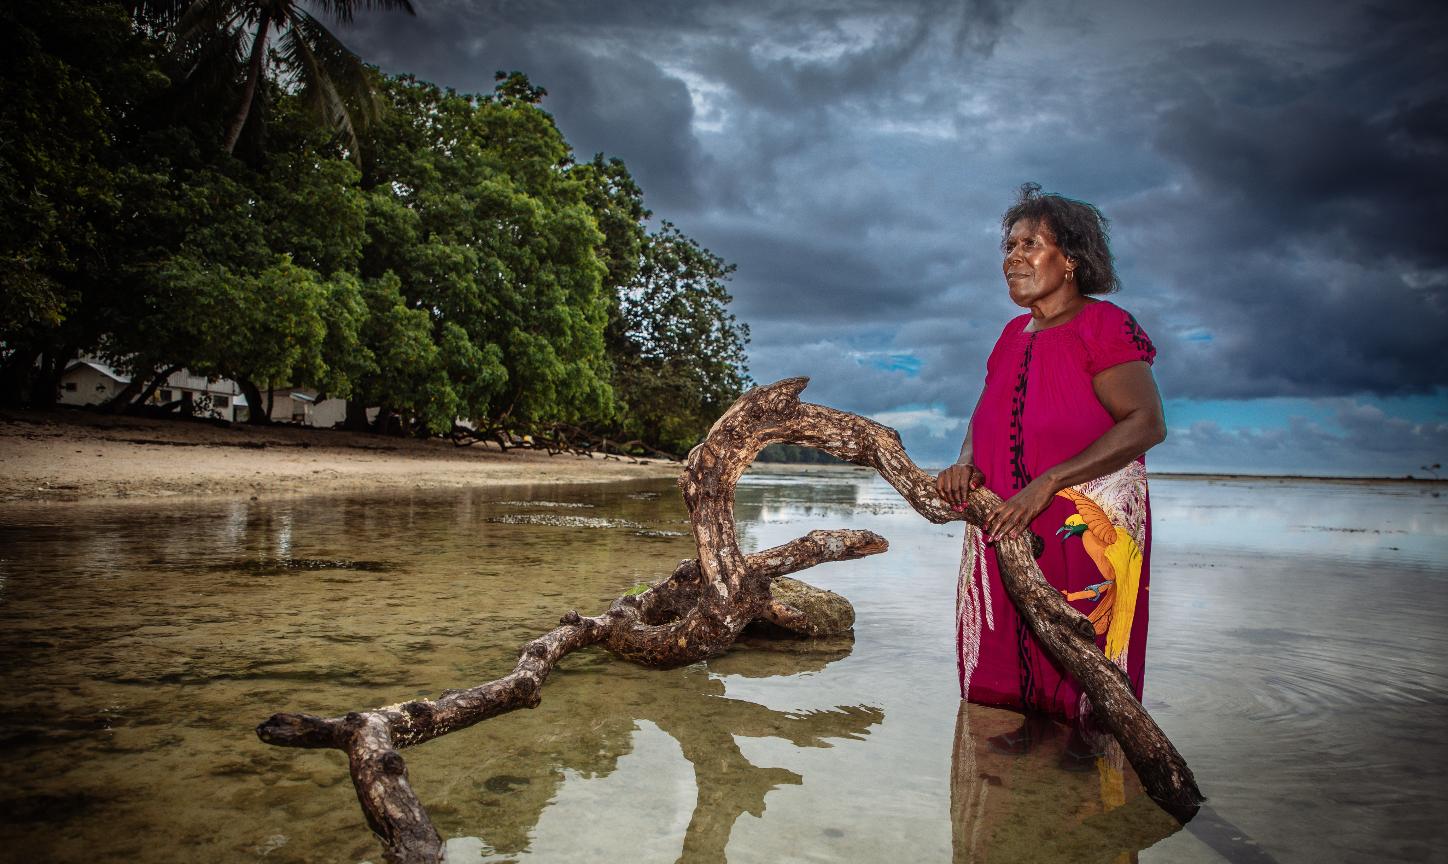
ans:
x=617 y=205
x=234 y=266
x=330 y=79
x=70 y=102
x=680 y=361
x=470 y=207
x=465 y=267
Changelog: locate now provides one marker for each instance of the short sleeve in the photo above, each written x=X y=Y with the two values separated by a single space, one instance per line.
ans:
x=1114 y=338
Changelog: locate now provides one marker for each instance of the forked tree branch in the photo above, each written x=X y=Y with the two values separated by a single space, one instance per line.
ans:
x=699 y=611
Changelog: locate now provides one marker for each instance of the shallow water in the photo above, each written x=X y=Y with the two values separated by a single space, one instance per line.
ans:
x=1298 y=658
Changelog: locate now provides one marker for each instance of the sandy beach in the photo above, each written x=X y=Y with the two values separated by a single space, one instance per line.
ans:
x=76 y=455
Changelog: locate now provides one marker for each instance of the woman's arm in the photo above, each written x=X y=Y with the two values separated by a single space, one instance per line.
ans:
x=955 y=482
x=1128 y=393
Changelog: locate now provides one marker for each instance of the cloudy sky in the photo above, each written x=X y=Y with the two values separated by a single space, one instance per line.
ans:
x=1276 y=175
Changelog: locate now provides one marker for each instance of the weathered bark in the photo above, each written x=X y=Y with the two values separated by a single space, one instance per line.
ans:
x=640 y=627
x=698 y=612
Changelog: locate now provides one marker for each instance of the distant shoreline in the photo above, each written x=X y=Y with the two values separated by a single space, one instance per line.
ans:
x=1311 y=478
x=775 y=467
x=83 y=456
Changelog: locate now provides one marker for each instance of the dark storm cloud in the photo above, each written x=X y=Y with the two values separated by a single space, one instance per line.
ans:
x=616 y=72
x=1275 y=173
x=1304 y=230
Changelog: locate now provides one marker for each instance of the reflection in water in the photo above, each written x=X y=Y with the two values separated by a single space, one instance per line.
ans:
x=1298 y=658
x=1025 y=808
x=692 y=708
x=607 y=701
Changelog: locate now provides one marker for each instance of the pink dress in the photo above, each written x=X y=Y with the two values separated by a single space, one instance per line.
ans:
x=1038 y=410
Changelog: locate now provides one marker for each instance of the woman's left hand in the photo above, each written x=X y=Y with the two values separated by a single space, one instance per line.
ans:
x=1015 y=513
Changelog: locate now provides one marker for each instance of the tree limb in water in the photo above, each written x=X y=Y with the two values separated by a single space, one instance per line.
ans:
x=699 y=611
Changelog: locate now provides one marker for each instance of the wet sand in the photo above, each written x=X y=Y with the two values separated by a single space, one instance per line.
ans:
x=76 y=455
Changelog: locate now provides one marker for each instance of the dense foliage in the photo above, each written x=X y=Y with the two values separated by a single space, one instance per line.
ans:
x=439 y=256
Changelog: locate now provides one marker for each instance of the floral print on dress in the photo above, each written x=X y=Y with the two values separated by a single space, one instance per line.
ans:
x=1110 y=520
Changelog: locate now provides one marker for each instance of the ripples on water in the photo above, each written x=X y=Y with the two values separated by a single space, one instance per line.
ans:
x=1297 y=658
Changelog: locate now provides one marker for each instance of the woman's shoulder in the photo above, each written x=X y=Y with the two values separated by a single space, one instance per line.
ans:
x=1111 y=331
x=1103 y=310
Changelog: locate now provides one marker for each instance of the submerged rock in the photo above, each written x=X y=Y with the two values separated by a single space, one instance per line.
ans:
x=829 y=614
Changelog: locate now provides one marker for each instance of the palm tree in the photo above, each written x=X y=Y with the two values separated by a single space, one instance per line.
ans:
x=329 y=77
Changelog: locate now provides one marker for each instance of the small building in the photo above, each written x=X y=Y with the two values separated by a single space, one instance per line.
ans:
x=90 y=381
x=300 y=405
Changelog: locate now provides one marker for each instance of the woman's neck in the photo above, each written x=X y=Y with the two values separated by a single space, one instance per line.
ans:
x=1055 y=310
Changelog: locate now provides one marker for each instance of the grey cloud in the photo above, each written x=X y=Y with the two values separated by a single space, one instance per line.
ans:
x=1276 y=173
x=1302 y=227
x=657 y=142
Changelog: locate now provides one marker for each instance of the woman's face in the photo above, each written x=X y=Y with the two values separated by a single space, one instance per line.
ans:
x=1034 y=266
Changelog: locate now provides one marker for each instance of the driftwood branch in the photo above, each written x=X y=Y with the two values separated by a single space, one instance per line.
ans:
x=699 y=611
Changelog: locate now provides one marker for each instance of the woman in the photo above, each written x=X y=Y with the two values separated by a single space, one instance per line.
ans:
x=1068 y=410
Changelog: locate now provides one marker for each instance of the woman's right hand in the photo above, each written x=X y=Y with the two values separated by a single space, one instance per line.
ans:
x=955 y=482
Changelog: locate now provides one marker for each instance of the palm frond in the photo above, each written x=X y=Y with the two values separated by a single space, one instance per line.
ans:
x=161 y=14
x=209 y=68
x=316 y=87
x=346 y=70
x=203 y=18
x=343 y=10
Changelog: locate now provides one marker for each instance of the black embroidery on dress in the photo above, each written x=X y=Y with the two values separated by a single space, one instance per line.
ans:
x=1019 y=473
x=1022 y=476
x=1138 y=337
x=1023 y=659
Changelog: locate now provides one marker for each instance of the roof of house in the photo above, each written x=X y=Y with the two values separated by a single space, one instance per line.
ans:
x=103 y=368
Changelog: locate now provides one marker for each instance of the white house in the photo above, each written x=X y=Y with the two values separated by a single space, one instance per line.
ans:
x=92 y=382
x=300 y=405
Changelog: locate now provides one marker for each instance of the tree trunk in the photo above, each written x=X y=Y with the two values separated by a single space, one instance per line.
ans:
x=383 y=421
x=356 y=416
x=160 y=378
x=248 y=92
x=699 y=611
x=15 y=377
x=122 y=400
x=45 y=385
x=256 y=413
x=129 y=397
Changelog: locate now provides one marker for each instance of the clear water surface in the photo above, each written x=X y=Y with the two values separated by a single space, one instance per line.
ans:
x=1298 y=658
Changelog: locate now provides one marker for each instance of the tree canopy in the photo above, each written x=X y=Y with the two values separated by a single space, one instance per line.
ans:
x=446 y=261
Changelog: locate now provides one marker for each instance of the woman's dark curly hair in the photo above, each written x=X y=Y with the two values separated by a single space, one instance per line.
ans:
x=1080 y=230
